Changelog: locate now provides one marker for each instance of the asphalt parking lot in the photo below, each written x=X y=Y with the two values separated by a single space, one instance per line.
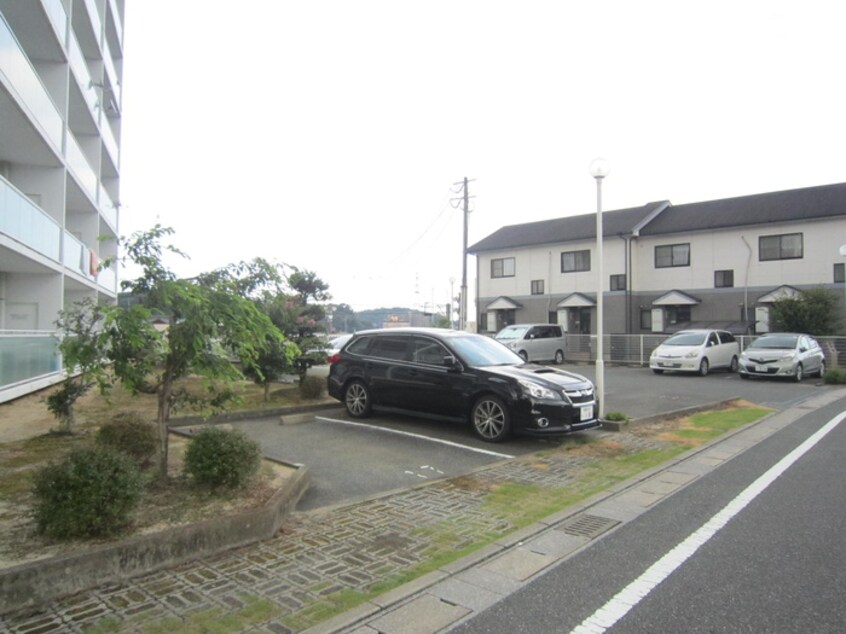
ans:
x=354 y=460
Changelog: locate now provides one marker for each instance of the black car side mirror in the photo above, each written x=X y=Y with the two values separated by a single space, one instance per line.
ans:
x=451 y=362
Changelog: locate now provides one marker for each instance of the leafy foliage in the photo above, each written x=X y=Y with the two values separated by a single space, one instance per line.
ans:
x=131 y=434
x=90 y=493
x=222 y=458
x=311 y=387
x=813 y=311
x=83 y=358
x=212 y=326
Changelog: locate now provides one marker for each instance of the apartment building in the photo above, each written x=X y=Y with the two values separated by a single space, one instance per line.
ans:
x=719 y=263
x=60 y=119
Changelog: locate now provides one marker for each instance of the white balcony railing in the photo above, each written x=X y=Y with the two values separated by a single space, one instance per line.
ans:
x=22 y=220
x=26 y=355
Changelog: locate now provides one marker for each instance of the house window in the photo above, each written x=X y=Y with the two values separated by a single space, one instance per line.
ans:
x=646 y=320
x=669 y=255
x=537 y=287
x=572 y=261
x=787 y=246
x=503 y=267
x=724 y=279
x=618 y=282
x=839 y=273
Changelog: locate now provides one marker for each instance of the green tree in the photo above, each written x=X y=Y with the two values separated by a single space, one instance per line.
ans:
x=275 y=361
x=813 y=311
x=297 y=318
x=83 y=358
x=212 y=325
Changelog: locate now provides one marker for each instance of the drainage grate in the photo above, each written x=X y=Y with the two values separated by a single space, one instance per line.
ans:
x=587 y=525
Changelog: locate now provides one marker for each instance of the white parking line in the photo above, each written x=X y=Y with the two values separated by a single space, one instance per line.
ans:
x=606 y=616
x=487 y=452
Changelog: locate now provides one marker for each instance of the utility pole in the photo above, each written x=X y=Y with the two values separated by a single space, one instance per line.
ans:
x=462 y=306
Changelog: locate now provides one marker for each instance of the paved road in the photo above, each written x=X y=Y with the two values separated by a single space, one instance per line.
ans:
x=777 y=565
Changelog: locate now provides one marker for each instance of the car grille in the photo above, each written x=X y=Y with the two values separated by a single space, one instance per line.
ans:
x=579 y=396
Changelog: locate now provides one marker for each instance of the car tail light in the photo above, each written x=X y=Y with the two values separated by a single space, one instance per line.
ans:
x=333 y=358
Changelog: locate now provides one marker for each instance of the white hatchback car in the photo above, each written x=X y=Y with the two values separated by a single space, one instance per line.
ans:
x=696 y=351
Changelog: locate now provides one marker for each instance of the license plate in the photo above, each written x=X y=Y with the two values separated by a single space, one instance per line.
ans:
x=586 y=413
x=760 y=368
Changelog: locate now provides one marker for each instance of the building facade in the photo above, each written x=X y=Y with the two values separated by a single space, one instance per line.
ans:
x=666 y=267
x=61 y=66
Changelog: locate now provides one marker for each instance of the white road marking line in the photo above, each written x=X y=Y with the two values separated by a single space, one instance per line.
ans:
x=631 y=595
x=487 y=452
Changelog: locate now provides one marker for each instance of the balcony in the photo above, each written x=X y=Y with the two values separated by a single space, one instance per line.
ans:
x=22 y=220
x=26 y=356
x=26 y=84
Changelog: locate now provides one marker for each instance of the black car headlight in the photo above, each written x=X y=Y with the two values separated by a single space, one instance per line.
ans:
x=536 y=390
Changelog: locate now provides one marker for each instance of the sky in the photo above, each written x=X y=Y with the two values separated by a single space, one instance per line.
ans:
x=333 y=135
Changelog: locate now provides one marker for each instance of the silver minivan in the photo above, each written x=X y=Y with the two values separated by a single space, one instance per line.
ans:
x=534 y=342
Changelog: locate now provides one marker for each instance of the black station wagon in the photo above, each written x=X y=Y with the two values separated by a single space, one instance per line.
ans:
x=459 y=376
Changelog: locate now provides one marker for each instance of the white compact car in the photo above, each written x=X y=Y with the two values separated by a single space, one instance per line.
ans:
x=785 y=354
x=697 y=351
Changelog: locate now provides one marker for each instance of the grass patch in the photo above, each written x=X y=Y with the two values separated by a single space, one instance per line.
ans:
x=215 y=621
x=703 y=427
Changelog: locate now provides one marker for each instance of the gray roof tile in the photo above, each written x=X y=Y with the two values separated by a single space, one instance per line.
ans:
x=825 y=201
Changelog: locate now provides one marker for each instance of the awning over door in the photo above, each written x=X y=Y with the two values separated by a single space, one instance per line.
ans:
x=676 y=298
x=576 y=300
x=503 y=303
x=781 y=292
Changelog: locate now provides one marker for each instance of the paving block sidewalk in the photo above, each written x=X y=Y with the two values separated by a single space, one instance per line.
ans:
x=282 y=585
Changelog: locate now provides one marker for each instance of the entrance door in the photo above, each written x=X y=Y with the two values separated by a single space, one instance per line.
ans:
x=584 y=320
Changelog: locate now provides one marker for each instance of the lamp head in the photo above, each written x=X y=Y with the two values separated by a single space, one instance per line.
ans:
x=599 y=168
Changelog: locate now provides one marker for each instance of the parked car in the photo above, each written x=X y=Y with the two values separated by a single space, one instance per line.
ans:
x=535 y=342
x=334 y=345
x=696 y=351
x=459 y=376
x=787 y=354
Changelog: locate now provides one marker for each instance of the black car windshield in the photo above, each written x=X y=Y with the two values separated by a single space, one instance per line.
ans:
x=686 y=339
x=481 y=351
x=776 y=342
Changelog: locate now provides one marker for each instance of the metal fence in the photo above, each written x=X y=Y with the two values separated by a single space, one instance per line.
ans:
x=636 y=349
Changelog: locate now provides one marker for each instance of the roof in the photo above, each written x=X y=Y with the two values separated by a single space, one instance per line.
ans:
x=569 y=229
x=810 y=203
x=824 y=201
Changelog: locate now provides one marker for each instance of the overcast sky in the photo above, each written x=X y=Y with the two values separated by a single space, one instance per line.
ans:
x=330 y=134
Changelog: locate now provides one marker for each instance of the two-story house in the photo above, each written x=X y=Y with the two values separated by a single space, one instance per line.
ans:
x=717 y=263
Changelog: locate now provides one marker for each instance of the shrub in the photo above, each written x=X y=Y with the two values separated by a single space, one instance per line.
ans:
x=222 y=458
x=311 y=387
x=616 y=416
x=835 y=376
x=90 y=493
x=132 y=434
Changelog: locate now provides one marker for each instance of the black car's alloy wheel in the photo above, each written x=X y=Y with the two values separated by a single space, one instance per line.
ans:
x=491 y=419
x=357 y=400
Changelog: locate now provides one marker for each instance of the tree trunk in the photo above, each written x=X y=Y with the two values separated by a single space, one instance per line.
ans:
x=165 y=393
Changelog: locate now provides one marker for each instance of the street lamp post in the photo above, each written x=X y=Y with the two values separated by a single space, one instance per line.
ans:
x=843 y=254
x=599 y=170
